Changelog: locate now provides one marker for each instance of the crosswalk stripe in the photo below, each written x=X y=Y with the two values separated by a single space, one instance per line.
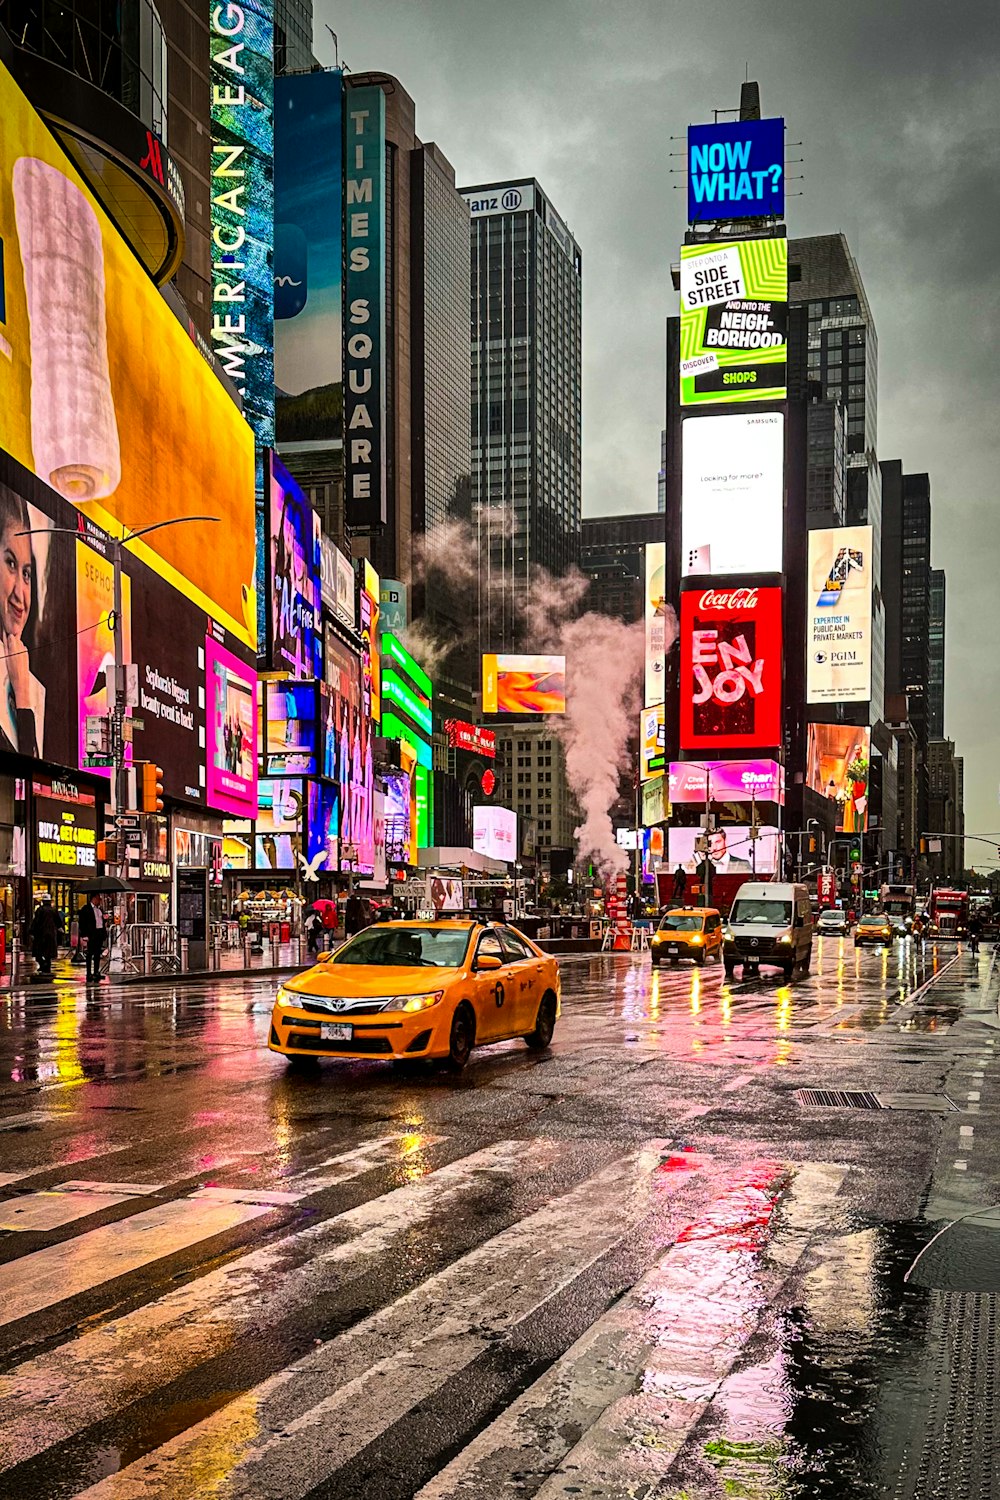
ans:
x=40 y=1280
x=330 y=1405
x=57 y=1394
x=639 y=1379
x=56 y=1208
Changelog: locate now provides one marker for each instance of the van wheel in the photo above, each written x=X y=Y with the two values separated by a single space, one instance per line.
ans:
x=545 y=1024
x=463 y=1036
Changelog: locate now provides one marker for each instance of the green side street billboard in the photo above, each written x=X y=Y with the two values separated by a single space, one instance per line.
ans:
x=734 y=321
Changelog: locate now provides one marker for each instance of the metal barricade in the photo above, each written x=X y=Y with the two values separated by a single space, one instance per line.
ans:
x=149 y=948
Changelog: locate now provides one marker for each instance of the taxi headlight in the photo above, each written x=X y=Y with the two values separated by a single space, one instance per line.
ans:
x=657 y=937
x=286 y=997
x=696 y=937
x=416 y=1002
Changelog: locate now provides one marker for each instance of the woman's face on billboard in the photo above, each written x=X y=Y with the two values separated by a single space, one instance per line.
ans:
x=15 y=579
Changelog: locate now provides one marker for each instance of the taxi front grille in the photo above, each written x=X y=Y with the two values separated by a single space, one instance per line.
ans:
x=343 y=1008
x=375 y=1046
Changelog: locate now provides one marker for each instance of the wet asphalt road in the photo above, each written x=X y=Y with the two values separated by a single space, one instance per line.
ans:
x=637 y=1265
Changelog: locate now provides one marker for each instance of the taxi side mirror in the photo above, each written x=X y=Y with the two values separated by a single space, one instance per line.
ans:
x=488 y=961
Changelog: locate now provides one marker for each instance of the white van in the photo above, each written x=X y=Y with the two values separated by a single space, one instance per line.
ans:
x=769 y=924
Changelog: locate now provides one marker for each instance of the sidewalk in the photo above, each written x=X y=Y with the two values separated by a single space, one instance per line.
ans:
x=69 y=976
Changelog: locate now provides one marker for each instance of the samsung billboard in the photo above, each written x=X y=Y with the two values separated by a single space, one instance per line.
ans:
x=839 y=622
x=732 y=511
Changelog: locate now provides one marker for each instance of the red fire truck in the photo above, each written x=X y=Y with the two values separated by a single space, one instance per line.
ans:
x=949 y=913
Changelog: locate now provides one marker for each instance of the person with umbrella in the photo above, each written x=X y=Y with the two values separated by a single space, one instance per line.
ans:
x=314 y=926
x=44 y=935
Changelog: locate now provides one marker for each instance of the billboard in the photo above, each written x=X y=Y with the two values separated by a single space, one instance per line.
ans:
x=736 y=170
x=290 y=729
x=524 y=684
x=839 y=626
x=485 y=202
x=371 y=662
x=732 y=508
x=103 y=395
x=230 y=731
x=308 y=258
x=652 y=742
x=837 y=762
x=56 y=669
x=364 y=300
x=242 y=123
x=400 y=836
x=655 y=613
x=655 y=802
x=734 y=321
x=471 y=737
x=731 y=669
x=444 y=894
x=494 y=832
x=336 y=582
x=726 y=781
x=347 y=755
x=731 y=851
x=294 y=574
x=65 y=829
x=393 y=606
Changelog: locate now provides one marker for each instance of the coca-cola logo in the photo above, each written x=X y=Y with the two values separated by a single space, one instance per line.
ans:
x=733 y=599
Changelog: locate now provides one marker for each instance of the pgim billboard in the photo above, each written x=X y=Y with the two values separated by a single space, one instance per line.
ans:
x=734 y=321
x=731 y=669
x=732 y=505
x=839 y=619
x=655 y=613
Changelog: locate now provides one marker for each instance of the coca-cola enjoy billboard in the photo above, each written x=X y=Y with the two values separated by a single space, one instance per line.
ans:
x=731 y=669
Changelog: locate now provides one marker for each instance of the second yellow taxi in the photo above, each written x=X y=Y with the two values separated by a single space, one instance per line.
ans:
x=411 y=990
x=687 y=932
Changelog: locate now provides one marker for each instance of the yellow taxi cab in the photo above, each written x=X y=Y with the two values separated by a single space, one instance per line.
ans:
x=873 y=929
x=420 y=989
x=687 y=932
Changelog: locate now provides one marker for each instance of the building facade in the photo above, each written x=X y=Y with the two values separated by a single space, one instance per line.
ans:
x=613 y=556
x=935 y=655
x=531 y=768
x=526 y=307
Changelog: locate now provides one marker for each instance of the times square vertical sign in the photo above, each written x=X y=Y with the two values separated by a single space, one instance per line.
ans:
x=364 y=308
x=242 y=123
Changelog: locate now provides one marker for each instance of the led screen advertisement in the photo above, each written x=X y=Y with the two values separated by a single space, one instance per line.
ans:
x=652 y=742
x=290 y=711
x=837 y=767
x=655 y=613
x=736 y=170
x=494 y=832
x=734 y=321
x=655 y=801
x=242 y=123
x=731 y=668
x=839 y=621
x=294 y=576
x=347 y=756
x=364 y=301
x=279 y=822
x=471 y=737
x=103 y=394
x=731 y=851
x=732 y=510
x=398 y=805
x=726 y=781
x=65 y=829
x=230 y=731
x=308 y=258
x=524 y=684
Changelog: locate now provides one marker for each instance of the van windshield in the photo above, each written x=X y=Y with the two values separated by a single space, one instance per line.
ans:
x=765 y=913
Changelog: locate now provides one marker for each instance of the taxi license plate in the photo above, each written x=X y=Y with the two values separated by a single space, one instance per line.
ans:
x=673 y=950
x=335 y=1031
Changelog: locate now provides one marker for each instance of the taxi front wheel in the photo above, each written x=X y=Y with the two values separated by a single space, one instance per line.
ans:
x=463 y=1035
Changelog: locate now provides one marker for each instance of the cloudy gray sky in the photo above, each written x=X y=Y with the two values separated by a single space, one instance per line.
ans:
x=896 y=105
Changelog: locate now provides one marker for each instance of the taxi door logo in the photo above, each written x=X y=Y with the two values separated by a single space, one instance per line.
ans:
x=731 y=669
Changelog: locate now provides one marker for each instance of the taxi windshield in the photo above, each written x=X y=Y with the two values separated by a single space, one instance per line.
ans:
x=406 y=947
x=673 y=923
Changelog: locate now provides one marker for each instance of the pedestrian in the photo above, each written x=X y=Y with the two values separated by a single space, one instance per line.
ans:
x=44 y=935
x=680 y=883
x=354 y=914
x=314 y=926
x=94 y=932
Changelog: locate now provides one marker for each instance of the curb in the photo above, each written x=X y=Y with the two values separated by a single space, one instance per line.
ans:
x=127 y=981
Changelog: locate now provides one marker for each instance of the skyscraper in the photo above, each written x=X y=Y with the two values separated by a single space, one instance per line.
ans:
x=935 y=664
x=526 y=361
x=293 y=25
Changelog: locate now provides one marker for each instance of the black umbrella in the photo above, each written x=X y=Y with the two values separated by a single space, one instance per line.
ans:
x=104 y=885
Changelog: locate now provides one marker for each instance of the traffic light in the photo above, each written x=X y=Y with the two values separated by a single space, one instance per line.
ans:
x=812 y=843
x=923 y=846
x=855 y=854
x=152 y=787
